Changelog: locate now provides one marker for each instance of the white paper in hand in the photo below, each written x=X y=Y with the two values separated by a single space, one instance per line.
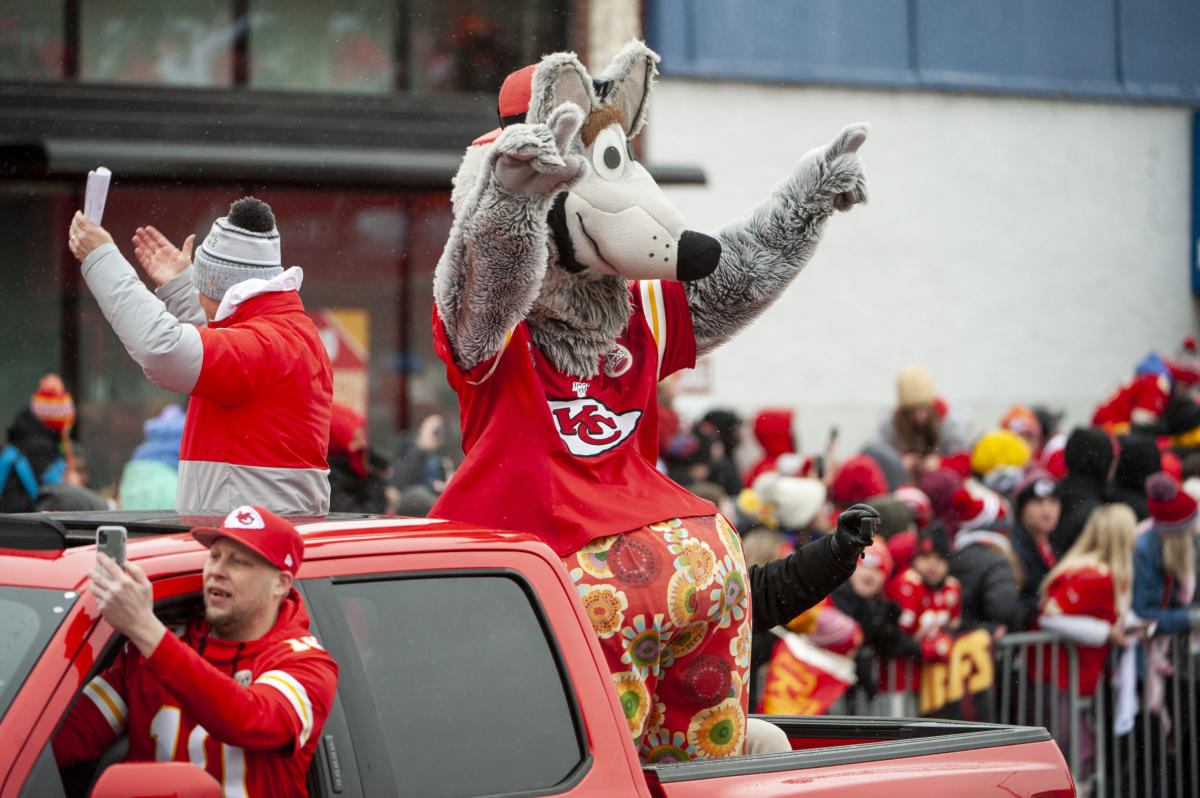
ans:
x=96 y=194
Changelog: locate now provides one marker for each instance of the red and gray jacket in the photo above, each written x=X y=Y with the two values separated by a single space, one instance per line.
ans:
x=260 y=382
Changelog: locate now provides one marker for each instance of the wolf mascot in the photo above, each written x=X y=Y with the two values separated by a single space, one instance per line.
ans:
x=568 y=288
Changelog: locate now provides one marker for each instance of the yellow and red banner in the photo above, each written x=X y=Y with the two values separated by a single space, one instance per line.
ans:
x=803 y=678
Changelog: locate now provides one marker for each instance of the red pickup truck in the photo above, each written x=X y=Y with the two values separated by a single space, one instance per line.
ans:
x=468 y=668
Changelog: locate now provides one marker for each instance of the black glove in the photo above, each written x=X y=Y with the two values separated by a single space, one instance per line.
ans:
x=855 y=528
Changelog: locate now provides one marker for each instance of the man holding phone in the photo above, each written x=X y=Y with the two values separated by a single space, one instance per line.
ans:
x=242 y=693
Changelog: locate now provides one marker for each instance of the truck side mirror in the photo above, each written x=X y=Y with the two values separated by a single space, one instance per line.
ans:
x=155 y=779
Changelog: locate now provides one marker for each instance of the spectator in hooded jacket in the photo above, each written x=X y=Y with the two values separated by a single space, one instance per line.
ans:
x=922 y=427
x=233 y=335
x=774 y=433
x=1164 y=558
x=858 y=479
x=983 y=562
x=862 y=597
x=34 y=455
x=1088 y=458
x=1138 y=457
x=149 y=479
x=1036 y=508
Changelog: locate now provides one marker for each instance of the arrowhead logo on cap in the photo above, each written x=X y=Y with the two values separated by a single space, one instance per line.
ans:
x=244 y=518
x=288 y=561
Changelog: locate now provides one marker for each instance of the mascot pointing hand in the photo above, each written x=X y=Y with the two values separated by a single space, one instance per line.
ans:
x=568 y=288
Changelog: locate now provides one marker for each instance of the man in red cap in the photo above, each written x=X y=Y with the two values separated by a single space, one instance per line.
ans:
x=246 y=689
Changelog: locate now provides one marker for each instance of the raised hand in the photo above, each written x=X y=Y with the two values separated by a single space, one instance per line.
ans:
x=855 y=529
x=534 y=159
x=845 y=179
x=83 y=236
x=160 y=259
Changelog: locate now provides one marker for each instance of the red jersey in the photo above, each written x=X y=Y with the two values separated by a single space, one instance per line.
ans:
x=570 y=459
x=926 y=612
x=1085 y=590
x=1146 y=392
x=250 y=712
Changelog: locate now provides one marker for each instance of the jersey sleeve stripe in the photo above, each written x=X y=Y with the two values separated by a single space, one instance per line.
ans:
x=296 y=695
x=109 y=702
x=655 y=311
x=495 y=361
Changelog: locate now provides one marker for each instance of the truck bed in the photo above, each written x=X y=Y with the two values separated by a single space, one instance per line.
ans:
x=898 y=758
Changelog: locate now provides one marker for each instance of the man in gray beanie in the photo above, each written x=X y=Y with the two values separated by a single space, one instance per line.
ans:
x=229 y=330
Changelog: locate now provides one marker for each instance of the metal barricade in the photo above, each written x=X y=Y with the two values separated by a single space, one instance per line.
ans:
x=1149 y=759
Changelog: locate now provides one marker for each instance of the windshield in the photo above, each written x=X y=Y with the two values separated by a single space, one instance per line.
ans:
x=28 y=617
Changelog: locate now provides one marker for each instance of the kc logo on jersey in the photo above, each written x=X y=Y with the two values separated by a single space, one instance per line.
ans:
x=588 y=427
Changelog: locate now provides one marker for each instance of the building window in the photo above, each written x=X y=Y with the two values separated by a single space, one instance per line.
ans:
x=31 y=41
x=348 y=46
x=148 y=41
x=356 y=46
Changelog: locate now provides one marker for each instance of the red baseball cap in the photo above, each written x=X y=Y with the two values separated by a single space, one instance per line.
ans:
x=261 y=530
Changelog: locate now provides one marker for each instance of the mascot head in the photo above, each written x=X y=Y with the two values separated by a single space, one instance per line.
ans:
x=616 y=220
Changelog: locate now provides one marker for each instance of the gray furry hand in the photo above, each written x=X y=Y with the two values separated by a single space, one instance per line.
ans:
x=844 y=176
x=537 y=159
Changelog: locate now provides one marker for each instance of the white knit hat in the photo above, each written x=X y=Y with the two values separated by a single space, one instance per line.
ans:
x=239 y=247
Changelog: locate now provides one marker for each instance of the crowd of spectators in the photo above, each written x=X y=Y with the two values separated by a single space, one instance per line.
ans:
x=1088 y=532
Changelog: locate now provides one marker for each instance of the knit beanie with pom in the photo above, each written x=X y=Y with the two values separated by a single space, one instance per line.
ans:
x=52 y=405
x=239 y=247
x=1172 y=509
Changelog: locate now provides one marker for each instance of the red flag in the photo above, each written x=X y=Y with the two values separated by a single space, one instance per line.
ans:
x=804 y=679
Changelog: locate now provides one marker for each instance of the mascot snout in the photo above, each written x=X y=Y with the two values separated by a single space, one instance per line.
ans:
x=633 y=242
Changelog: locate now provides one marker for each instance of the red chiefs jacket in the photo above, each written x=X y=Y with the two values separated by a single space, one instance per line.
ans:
x=249 y=713
x=1084 y=590
x=257 y=427
x=259 y=377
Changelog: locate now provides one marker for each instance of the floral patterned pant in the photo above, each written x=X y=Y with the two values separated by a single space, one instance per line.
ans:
x=670 y=603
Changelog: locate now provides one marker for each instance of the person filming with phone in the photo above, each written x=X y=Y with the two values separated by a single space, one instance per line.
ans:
x=242 y=693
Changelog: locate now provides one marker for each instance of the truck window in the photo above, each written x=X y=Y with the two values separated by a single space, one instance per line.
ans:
x=28 y=618
x=469 y=689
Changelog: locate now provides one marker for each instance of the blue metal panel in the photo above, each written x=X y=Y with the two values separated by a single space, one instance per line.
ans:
x=668 y=26
x=1111 y=49
x=1195 y=266
x=782 y=39
x=1019 y=41
x=1159 y=42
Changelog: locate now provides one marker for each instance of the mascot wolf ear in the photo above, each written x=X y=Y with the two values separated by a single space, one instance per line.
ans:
x=559 y=78
x=632 y=74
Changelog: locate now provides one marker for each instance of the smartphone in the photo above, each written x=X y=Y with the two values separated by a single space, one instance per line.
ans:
x=111 y=541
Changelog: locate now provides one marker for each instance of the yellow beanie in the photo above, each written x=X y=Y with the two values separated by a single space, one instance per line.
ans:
x=914 y=387
x=999 y=447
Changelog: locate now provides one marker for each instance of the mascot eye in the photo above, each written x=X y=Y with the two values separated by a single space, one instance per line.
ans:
x=608 y=153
